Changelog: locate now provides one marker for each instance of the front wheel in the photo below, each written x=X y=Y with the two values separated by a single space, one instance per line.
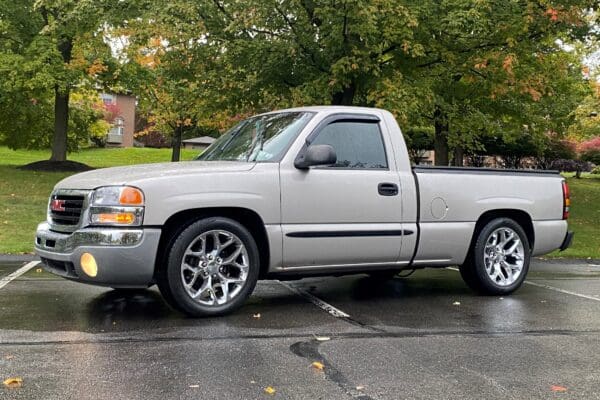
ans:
x=499 y=259
x=212 y=268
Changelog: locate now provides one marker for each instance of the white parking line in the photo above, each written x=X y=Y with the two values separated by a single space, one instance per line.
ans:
x=5 y=281
x=584 y=296
x=316 y=301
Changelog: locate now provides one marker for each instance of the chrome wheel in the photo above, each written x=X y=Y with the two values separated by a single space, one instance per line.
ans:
x=503 y=256
x=215 y=267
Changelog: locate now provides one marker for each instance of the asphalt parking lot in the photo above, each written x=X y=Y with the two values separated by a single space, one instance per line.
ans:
x=422 y=337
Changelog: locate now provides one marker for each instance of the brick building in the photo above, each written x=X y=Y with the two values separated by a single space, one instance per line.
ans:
x=123 y=125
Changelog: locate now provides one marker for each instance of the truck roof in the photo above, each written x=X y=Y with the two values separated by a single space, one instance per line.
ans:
x=329 y=109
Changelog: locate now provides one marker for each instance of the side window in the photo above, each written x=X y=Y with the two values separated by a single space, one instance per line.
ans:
x=357 y=144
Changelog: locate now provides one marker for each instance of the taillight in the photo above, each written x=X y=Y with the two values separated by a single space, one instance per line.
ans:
x=566 y=199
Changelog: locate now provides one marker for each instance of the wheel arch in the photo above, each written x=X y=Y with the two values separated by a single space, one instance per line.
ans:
x=246 y=217
x=519 y=216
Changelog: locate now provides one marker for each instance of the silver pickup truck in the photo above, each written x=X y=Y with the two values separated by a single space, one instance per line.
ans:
x=300 y=192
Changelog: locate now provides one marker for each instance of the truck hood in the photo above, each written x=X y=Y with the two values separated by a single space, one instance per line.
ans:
x=136 y=174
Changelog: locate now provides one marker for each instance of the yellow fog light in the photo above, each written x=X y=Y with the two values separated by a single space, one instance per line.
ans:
x=88 y=264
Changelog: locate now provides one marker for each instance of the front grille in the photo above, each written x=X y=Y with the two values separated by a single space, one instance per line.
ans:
x=66 y=209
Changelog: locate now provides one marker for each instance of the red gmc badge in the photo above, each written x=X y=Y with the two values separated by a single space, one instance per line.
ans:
x=57 y=205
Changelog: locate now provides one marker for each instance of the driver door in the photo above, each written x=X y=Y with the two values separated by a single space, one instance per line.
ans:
x=348 y=214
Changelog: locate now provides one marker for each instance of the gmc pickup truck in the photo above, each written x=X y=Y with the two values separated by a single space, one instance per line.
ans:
x=293 y=193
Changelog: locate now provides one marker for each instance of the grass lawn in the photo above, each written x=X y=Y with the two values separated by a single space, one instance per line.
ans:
x=24 y=196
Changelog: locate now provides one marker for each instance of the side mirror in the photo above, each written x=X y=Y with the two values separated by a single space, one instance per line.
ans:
x=316 y=154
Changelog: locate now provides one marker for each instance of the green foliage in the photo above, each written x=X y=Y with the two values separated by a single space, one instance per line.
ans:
x=586 y=117
x=47 y=49
x=29 y=123
x=469 y=70
x=475 y=68
x=590 y=150
x=418 y=141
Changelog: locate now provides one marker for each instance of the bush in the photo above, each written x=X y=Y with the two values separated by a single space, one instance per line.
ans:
x=153 y=139
x=590 y=150
x=576 y=166
x=596 y=170
x=555 y=148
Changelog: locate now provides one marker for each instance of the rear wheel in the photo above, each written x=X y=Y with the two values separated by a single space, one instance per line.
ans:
x=499 y=259
x=212 y=268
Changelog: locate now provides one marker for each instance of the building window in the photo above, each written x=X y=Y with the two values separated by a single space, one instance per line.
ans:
x=117 y=128
x=108 y=98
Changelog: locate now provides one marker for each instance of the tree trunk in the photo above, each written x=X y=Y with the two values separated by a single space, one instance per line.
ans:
x=176 y=144
x=344 y=97
x=440 y=140
x=61 y=106
x=61 y=123
x=459 y=155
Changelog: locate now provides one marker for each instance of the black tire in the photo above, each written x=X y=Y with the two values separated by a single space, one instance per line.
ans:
x=473 y=271
x=169 y=279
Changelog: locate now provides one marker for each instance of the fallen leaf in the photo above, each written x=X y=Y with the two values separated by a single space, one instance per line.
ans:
x=456 y=303
x=253 y=382
x=270 y=390
x=557 y=388
x=194 y=386
x=360 y=387
x=256 y=315
x=9 y=357
x=318 y=365
x=13 y=383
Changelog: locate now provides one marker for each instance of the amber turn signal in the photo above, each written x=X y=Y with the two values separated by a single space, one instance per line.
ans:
x=131 y=196
x=115 y=218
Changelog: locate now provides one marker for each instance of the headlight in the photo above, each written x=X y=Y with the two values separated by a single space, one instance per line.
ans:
x=118 y=196
x=117 y=205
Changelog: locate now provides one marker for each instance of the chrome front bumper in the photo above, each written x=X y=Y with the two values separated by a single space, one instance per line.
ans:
x=125 y=257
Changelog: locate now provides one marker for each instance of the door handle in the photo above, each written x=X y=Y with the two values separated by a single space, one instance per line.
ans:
x=387 y=189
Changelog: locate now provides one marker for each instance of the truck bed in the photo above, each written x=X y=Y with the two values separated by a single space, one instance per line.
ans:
x=452 y=199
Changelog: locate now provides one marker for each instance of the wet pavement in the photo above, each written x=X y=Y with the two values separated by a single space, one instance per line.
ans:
x=422 y=337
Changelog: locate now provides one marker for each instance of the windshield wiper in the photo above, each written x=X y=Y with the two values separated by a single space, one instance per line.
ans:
x=233 y=136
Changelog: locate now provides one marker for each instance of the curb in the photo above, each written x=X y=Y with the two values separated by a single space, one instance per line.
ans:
x=568 y=261
x=14 y=258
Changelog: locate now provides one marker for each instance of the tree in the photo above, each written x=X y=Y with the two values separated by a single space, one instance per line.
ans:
x=586 y=117
x=418 y=141
x=590 y=150
x=464 y=67
x=48 y=48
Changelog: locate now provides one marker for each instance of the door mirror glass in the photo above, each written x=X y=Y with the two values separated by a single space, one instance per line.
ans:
x=316 y=154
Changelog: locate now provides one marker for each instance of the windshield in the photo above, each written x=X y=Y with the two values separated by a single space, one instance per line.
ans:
x=261 y=138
